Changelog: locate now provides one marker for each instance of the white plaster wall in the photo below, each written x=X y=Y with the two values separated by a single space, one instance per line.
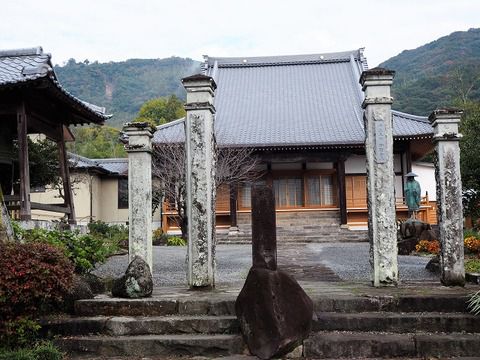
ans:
x=319 y=165
x=357 y=164
x=426 y=178
x=108 y=195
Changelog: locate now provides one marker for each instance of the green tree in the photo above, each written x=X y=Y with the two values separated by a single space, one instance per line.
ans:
x=161 y=110
x=97 y=142
x=470 y=159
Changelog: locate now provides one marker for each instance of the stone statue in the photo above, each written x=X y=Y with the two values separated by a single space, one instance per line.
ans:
x=412 y=194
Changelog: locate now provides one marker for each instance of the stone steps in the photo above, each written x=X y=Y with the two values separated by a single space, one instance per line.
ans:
x=105 y=306
x=319 y=234
x=150 y=325
x=397 y=322
x=346 y=326
x=152 y=345
x=352 y=345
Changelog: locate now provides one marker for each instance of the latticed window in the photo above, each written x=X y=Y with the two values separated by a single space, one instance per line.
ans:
x=320 y=190
x=288 y=192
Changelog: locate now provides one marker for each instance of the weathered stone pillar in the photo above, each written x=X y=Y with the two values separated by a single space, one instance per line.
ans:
x=139 y=151
x=382 y=227
x=449 y=194
x=200 y=179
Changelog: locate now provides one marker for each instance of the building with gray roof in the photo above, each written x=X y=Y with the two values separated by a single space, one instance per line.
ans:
x=32 y=101
x=302 y=114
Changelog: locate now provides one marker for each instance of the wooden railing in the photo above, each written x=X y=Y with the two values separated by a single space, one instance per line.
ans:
x=12 y=202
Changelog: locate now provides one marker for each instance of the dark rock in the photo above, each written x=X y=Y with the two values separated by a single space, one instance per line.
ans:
x=96 y=284
x=434 y=265
x=406 y=246
x=137 y=281
x=274 y=312
x=80 y=290
x=264 y=230
x=411 y=232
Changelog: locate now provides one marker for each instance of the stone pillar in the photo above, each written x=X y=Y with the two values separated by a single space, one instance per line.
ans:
x=449 y=194
x=382 y=228
x=139 y=151
x=200 y=152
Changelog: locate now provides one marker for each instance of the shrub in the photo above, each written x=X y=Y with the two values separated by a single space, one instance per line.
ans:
x=113 y=235
x=20 y=332
x=31 y=277
x=159 y=237
x=426 y=246
x=85 y=251
x=472 y=265
x=472 y=244
x=176 y=241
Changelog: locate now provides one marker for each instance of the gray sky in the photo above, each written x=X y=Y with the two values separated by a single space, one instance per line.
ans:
x=114 y=30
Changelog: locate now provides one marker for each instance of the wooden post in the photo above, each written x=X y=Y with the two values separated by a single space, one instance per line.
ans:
x=65 y=174
x=233 y=206
x=342 y=192
x=25 y=206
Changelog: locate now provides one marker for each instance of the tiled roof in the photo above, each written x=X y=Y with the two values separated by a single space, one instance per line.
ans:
x=112 y=166
x=300 y=100
x=22 y=66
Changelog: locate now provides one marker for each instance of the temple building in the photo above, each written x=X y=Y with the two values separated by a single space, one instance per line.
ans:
x=302 y=115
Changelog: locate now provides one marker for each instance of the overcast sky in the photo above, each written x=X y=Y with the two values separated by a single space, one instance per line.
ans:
x=114 y=30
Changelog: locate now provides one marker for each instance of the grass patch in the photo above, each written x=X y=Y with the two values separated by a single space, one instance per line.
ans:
x=41 y=351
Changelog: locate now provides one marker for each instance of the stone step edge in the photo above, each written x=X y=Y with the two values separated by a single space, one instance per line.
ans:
x=325 y=321
x=395 y=322
x=129 y=325
x=343 y=304
x=345 y=344
x=153 y=345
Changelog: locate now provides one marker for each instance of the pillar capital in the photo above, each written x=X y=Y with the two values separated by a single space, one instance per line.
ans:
x=139 y=136
x=200 y=92
x=445 y=124
x=376 y=84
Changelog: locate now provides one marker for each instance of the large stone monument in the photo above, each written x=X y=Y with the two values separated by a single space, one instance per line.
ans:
x=382 y=227
x=139 y=149
x=200 y=152
x=449 y=194
x=274 y=312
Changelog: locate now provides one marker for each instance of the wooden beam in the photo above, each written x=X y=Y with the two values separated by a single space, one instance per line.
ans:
x=59 y=208
x=64 y=172
x=342 y=193
x=290 y=157
x=25 y=208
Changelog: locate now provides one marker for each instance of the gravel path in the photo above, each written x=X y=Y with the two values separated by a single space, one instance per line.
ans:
x=348 y=261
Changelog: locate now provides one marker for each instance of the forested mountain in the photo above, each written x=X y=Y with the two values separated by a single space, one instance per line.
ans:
x=438 y=73
x=122 y=87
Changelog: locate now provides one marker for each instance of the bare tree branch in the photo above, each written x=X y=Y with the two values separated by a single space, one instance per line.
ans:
x=234 y=166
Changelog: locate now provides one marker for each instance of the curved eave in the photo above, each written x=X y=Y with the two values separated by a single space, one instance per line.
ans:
x=84 y=114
